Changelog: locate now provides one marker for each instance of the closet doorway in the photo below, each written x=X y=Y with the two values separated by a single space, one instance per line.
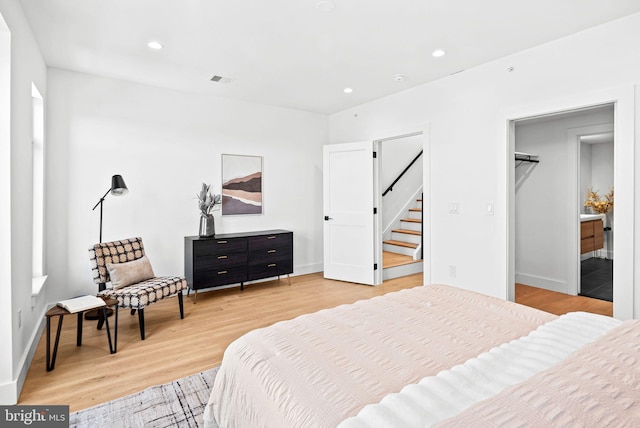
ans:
x=558 y=208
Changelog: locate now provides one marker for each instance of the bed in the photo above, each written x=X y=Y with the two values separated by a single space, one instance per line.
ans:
x=366 y=364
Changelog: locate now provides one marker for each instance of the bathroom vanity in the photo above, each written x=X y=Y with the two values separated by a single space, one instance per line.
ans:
x=591 y=232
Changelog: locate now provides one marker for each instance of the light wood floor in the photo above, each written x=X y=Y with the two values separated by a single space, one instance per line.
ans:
x=175 y=348
x=558 y=303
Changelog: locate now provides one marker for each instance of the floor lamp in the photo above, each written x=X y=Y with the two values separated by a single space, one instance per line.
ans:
x=118 y=188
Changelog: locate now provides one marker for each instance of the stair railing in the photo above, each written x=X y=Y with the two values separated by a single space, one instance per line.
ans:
x=390 y=188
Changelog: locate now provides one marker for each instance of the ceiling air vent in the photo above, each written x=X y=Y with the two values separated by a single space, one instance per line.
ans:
x=221 y=79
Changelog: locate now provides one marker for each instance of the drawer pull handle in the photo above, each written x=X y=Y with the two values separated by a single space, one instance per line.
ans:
x=222 y=242
x=271 y=237
x=222 y=257
x=271 y=265
x=222 y=272
x=271 y=251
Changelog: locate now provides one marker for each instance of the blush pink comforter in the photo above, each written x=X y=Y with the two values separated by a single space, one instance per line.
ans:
x=318 y=369
x=597 y=386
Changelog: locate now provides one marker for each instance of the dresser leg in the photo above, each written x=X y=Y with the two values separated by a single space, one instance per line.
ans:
x=289 y=278
x=195 y=296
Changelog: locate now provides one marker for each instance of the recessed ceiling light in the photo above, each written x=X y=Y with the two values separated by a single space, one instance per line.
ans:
x=348 y=90
x=399 y=77
x=325 y=6
x=155 y=45
x=438 y=53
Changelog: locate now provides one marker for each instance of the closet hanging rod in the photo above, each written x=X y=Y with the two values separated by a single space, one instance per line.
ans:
x=526 y=157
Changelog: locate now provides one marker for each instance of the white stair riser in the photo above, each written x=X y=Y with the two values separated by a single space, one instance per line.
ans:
x=406 y=237
x=404 y=270
x=411 y=226
x=415 y=214
x=398 y=249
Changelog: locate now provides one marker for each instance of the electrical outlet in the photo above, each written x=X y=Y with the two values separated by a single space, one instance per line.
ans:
x=19 y=317
x=452 y=271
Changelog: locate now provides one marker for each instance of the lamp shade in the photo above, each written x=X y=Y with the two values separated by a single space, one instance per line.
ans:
x=118 y=187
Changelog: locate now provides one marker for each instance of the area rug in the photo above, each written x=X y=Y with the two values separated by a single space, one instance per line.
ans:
x=180 y=403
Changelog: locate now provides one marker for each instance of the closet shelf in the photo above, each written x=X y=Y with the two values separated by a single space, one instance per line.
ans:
x=527 y=157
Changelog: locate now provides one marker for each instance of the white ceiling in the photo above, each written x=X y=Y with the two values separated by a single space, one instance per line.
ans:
x=288 y=53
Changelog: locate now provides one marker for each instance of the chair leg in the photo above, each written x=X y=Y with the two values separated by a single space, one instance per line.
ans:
x=133 y=311
x=100 y=320
x=180 y=302
x=141 y=320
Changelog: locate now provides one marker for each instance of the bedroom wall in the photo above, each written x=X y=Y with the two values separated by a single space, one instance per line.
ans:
x=26 y=66
x=165 y=144
x=543 y=194
x=466 y=114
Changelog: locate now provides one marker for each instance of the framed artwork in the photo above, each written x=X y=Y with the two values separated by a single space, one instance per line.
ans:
x=241 y=184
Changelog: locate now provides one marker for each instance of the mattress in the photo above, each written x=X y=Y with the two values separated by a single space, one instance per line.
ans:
x=319 y=369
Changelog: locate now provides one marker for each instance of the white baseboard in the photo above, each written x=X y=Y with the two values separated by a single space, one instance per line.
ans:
x=541 y=282
x=10 y=391
x=307 y=269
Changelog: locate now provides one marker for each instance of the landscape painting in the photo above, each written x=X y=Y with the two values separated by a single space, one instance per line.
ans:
x=241 y=184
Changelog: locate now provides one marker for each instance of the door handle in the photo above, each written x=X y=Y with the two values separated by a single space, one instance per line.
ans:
x=327 y=218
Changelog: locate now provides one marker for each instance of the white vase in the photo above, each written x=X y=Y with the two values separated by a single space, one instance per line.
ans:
x=207 y=226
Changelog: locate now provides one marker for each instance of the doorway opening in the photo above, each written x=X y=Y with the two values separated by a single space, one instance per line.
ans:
x=596 y=165
x=554 y=231
x=401 y=204
x=622 y=101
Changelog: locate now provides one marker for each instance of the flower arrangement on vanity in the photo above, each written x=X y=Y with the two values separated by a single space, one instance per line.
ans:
x=597 y=203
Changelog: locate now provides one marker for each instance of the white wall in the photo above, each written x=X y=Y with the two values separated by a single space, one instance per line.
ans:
x=466 y=112
x=544 y=198
x=165 y=144
x=602 y=167
x=27 y=66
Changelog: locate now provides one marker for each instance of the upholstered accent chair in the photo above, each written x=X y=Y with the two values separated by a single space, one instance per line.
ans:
x=124 y=265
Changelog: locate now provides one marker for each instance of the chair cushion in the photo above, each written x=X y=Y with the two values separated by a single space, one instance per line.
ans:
x=144 y=293
x=127 y=273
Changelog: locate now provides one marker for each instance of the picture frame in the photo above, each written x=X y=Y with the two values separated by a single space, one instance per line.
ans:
x=241 y=185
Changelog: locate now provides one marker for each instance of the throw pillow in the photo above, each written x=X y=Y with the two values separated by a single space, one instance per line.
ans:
x=124 y=274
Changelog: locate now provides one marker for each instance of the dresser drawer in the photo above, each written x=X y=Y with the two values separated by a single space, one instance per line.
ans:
x=221 y=260
x=270 y=255
x=265 y=270
x=219 y=246
x=213 y=277
x=274 y=240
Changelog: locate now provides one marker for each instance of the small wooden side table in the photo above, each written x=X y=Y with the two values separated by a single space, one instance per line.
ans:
x=61 y=312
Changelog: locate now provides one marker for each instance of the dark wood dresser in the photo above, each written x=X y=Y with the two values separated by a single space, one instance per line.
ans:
x=235 y=258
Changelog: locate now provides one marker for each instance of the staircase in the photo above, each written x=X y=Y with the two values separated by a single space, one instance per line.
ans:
x=401 y=253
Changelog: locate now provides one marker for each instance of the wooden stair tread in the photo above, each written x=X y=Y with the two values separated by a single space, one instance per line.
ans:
x=418 y=210
x=390 y=260
x=400 y=243
x=407 y=231
x=412 y=220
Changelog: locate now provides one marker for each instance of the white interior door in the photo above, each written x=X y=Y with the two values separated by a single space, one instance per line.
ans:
x=349 y=249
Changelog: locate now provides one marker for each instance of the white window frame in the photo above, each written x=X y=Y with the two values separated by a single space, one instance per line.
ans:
x=38 y=149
